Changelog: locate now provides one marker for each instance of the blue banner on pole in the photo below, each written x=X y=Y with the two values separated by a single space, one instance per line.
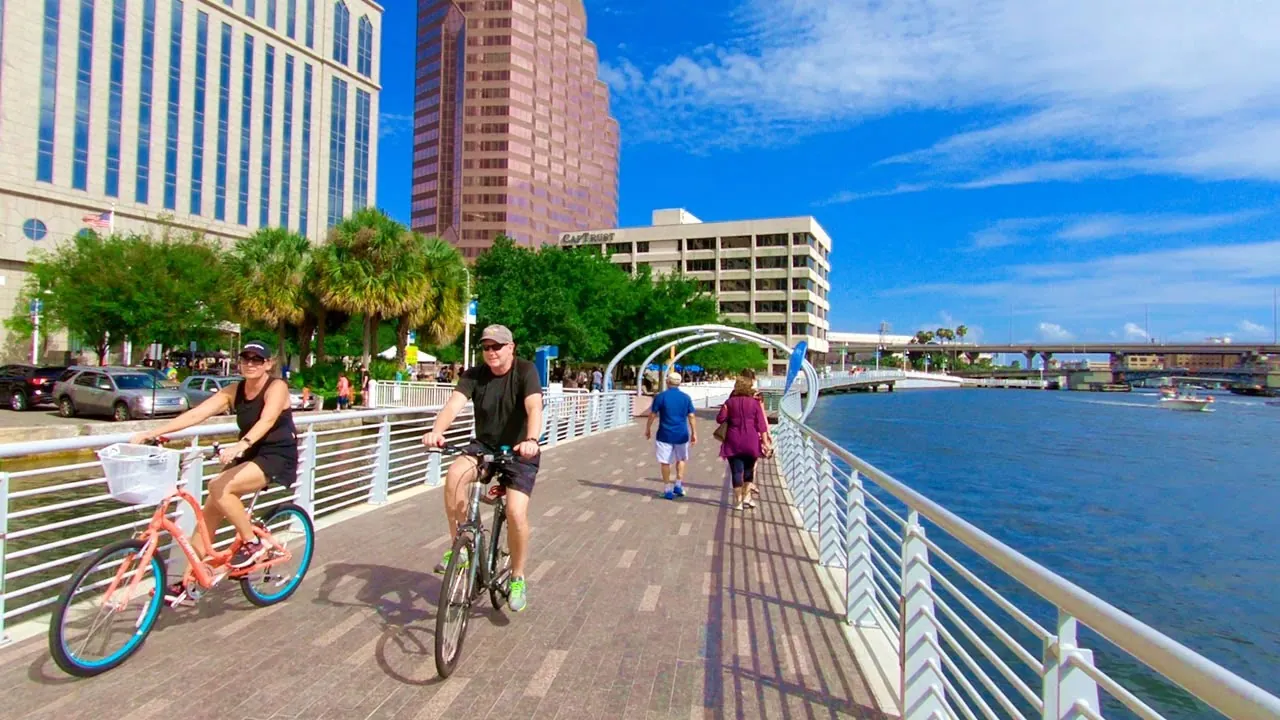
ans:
x=796 y=362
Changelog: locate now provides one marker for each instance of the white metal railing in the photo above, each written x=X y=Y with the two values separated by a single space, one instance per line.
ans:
x=964 y=648
x=387 y=394
x=834 y=380
x=54 y=510
x=1012 y=383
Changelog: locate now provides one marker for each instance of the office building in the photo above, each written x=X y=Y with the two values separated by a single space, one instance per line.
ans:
x=773 y=273
x=512 y=131
x=217 y=116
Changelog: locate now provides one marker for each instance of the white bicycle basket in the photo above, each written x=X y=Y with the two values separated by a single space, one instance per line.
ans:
x=140 y=474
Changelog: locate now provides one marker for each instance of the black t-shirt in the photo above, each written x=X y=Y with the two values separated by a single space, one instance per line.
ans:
x=499 y=402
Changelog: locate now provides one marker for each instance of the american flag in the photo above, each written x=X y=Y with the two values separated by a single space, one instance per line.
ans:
x=102 y=221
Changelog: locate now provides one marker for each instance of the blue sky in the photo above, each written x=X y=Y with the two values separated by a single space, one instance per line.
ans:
x=1073 y=167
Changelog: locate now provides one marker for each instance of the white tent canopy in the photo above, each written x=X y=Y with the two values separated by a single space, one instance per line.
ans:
x=390 y=354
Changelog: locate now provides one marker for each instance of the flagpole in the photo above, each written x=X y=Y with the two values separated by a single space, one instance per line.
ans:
x=112 y=226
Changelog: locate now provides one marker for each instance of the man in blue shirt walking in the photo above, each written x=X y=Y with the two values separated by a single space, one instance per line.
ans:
x=673 y=408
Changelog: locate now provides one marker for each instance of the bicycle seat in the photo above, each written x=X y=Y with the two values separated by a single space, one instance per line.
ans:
x=493 y=493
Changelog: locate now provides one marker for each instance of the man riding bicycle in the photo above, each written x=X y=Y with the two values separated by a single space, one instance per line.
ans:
x=507 y=394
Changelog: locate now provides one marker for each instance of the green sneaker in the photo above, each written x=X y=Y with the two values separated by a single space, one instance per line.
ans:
x=444 y=561
x=519 y=600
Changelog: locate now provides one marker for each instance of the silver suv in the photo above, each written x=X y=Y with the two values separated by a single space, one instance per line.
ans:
x=121 y=393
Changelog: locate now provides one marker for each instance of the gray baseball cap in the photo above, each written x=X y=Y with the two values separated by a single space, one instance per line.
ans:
x=498 y=334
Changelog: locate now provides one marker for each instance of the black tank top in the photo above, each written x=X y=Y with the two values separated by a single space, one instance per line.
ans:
x=248 y=412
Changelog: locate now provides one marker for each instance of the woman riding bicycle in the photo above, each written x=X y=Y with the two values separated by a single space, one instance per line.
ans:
x=267 y=450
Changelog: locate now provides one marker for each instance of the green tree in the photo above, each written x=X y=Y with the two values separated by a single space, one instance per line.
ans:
x=961 y=331
x=368 y=267
x=438 y=317
x=267 y=274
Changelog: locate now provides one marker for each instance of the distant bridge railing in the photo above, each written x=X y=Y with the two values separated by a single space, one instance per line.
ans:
x=835 y=379
x=906 y=568
x=54 y=509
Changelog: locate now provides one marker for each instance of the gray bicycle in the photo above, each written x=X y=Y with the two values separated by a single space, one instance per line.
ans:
x=464 y=579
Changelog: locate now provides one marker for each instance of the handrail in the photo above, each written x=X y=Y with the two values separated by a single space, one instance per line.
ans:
x=1215 y=685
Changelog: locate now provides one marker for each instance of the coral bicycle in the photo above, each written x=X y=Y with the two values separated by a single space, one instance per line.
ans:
x=114 y=598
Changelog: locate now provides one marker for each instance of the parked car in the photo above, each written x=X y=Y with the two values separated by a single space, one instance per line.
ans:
x=296 y=401
x=199 y=388
x=23 y=386
x=121 y=393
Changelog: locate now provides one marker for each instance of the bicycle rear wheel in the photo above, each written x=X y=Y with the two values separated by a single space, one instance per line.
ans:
x=454 y=608
x=290 y=526
x=91 y=632
x=499 y=561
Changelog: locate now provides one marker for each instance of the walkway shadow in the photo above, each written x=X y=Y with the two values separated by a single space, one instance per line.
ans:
x=645 y=492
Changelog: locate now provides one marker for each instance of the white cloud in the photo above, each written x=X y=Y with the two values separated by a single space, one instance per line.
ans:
x=1053 y=332
x=1079 y=89
x=1224 y=276
x=392 y=125
x=1253 y=330
x=1134 y=331
x=1016 y=231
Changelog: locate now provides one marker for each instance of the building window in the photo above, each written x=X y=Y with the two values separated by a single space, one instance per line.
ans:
x=34 y=229
x=735 y=263
x=801 y=261
x=338 y=152
x=246 y=126
x=801 y=306
x=291 y=19
x=268 y=117
x=771 y=284
x=48 y=92
x=174 y=112
x=360 y=179
x=737 y=242
x=770 y=263
x=735 y=286
x=774 y=240
x=304 y=187
x=271 y=14
x=115 y=99
x=197 y=125
x=84 y=80
x=364 y=48
x=740 y=307
x=801 y=238
x=341 y=32
x=142 y=182
x=706 y=286
x=642 y=247
x=702 y=244
x=286 y=150
x=771 y=306
x=799 y=329
x=699 y=265
x=251 y=7
x=778 y=329
x=623 y=248
x=311 y=24
x=224 y=126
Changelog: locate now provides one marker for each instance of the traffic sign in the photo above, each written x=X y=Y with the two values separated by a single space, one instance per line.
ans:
x=36 y=306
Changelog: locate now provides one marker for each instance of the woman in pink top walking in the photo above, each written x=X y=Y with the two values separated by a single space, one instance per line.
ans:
x=743 y=440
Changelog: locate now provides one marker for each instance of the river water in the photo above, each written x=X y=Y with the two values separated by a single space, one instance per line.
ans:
x=1173 y=517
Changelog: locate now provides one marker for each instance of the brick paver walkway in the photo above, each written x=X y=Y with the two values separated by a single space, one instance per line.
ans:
x=639 y=608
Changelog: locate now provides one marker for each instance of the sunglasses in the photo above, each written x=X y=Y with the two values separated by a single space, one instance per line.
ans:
x=252 y=360
x=492 y=347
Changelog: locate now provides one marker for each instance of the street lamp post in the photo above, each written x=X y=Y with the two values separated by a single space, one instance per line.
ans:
x=36 y=306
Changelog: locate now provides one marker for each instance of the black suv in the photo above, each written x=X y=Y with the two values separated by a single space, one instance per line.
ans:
x=22 y=386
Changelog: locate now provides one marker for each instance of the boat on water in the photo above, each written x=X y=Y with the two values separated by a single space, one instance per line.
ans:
x=1168 y=391
x=1186 y=402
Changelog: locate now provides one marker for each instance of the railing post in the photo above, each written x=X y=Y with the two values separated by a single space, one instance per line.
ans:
x=860 y=593
x=4 y=533
x=922 y=684
x=382 y=465
x=551 y=422
x=307 y=475
x=809 y=485
x=591 y=414
x=830 y=527
x=186 y=520
x=1065 y=686
x=571 y=417
x=433 y=478
x=372 y=400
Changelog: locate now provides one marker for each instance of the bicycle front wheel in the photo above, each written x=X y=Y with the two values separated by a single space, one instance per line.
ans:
x=454 y=608
x=104 y=615
x=291 y=528
x=499 y=562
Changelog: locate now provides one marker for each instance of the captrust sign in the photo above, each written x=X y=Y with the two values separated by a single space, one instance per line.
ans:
x=585 y=238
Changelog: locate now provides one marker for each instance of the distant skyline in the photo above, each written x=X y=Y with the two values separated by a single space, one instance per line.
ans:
x=1087 y=164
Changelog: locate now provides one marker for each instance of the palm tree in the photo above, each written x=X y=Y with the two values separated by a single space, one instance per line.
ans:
x=368 y=266
x=266 y=272
x=961 y=331
x=438 y=317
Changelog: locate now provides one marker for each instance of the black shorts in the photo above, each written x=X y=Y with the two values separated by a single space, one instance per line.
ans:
x=519 y=475
x=278 y=464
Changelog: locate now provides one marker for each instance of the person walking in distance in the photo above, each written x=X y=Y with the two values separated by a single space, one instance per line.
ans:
x=742 y=442
x=507 y=395
x=677 y=429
